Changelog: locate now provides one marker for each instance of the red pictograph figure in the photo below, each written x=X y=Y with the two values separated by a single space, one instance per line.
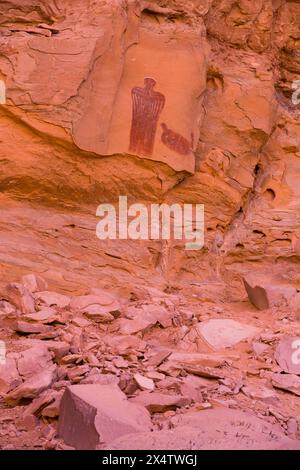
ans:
x=176 y=142
x=147 y=106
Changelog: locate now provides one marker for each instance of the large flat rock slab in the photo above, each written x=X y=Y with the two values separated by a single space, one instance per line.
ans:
x=91 y=415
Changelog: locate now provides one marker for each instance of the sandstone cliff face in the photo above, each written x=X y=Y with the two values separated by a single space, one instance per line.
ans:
x=225 y=133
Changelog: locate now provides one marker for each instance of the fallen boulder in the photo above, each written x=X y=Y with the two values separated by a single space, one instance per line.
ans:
x=265 y=292
x=91 y=415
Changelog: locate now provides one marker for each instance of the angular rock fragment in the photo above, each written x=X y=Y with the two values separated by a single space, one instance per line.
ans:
x=225 y=333
x=59 y=348
x=34 y=360
x=53 y=299
x=159 y=402
x=34 y=283
x=9 y=376
x=30 y=328
x=32 y=387
x=98 y=314
x=45 y=315
x=265 y=292
x=85 y=301
x=131 y=327
x=194 y=359
x=20 y=297
x=287 y=382
x=261 y=393
x=144 y=383
x=92 y=415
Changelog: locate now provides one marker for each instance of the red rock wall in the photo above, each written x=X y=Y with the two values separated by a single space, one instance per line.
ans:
x=226 y=69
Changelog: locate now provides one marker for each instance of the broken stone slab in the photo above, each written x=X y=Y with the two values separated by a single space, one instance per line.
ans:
x=225 y=333
x=59 y=348
x=159 y=403
x=158 y=358
x=266 y=292
x=53 y=299
x=45 y=315
x=9 y=376
x=194 y=359
x=7 y=309
x=91 y=415
x=206 y=372
x=52 y=410
x=287 y=382
x=125 y=344
x=264 y=394
x=144 y=383
x=34 y=283
x=75 y=374
x=287 y=355
x=32 y=387
x=30 y=328
x=98 y=314
x=19 y=296
x=152 y=313
x=85 y=301
x=36 y=406
x=34 y=360
x=81 y=322
x=100 y=379
x=131 y=327
x=211 y=429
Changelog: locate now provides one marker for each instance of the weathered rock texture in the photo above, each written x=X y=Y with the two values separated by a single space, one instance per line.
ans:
x=226 y=134
x=162 y=101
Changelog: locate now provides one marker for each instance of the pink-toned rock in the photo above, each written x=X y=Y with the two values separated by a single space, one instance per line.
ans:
x=259 y=392
x=39 y=403
x=265 y=292
x=32 y=387
x=124 y=345
x=84 y=301
x=30 y=328
x=225 y=333
x=287 y=355
x=159 y=402
x=9 y=376
x=52 y=410
x=98 y=314
x=194 y=359
x=144 y=383
x=287 y=382
x=91 y=415
x=53 y=299
x=7 y=309
x=45 y=315
x=151 y=313
x=34 y=360
x=131 y=327
x=34 y=283
x=19 y=296
x=81 y=322
x=59 y=348
x=221 y=429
